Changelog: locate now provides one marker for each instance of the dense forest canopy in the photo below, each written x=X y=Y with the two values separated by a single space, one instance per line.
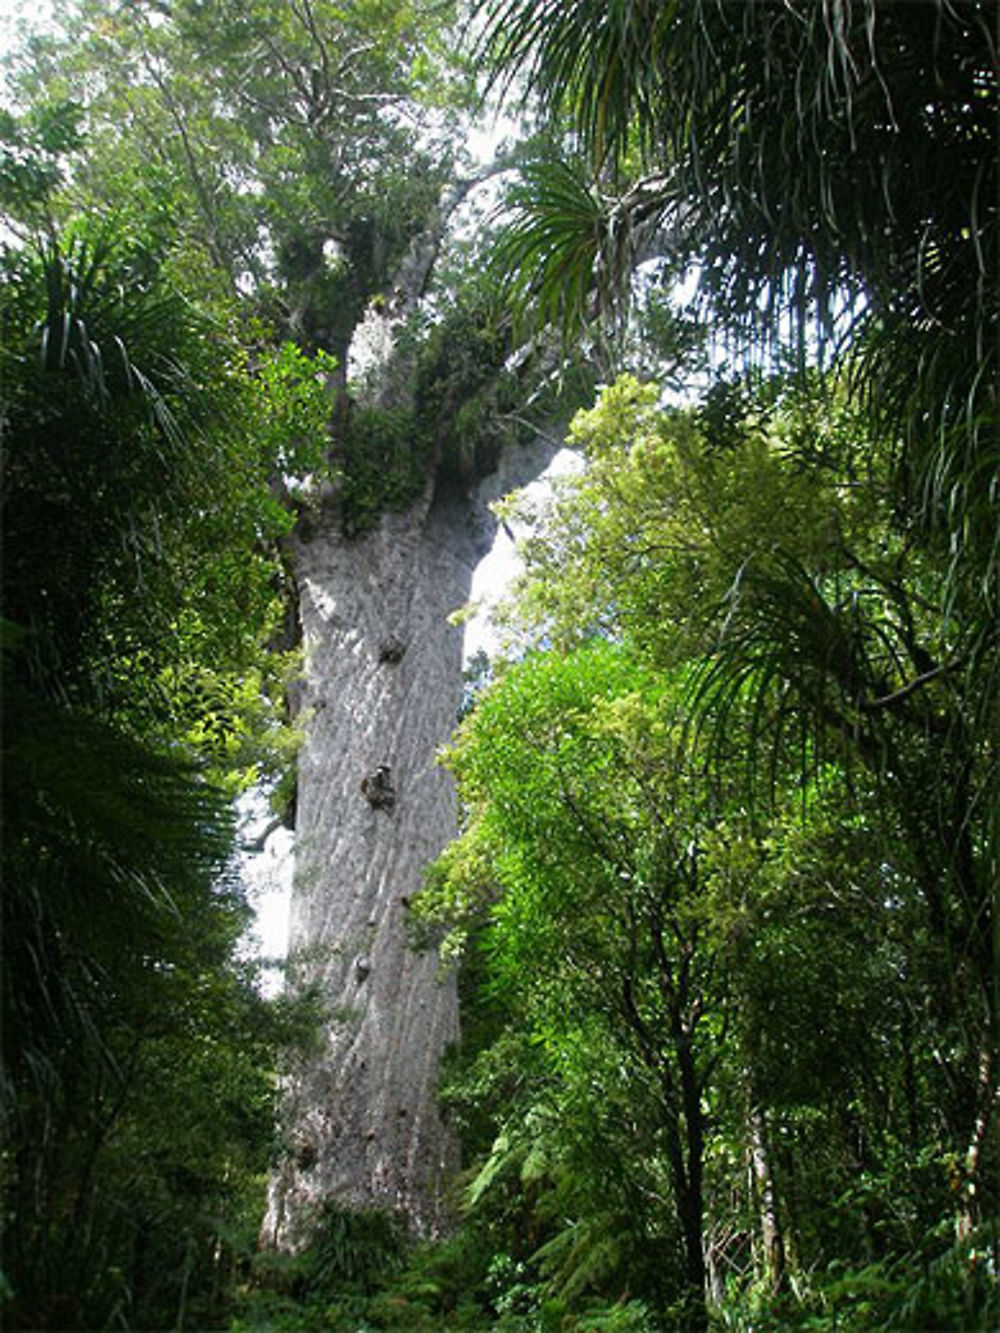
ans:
x=724 y=903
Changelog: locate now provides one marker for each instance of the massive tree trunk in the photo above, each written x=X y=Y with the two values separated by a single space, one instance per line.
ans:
x=383 y=673
x=383 y=685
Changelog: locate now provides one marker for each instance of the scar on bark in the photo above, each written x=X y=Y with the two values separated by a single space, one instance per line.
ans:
x=391 y=650
x=306 y=1155
x=377 y=788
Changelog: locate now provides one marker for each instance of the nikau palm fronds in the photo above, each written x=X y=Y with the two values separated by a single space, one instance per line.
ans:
x=89 y=325
x=121 y=915
x=590 y=57
x=820 y=150
x=570 y=250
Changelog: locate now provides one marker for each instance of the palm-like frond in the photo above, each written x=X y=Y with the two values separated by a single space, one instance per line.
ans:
x=590 y=57
x=569 y=251
x=89 y=325
x=800 y=131
x=551 y=249
x=805 y=665
x=584 y=1254
x=785 y=672
x=821 y=149
x=105 y=839
x=106 y=842
x=101 y=423
x=109 y=854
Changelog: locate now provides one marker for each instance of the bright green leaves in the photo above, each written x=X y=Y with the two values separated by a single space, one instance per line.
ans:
x=653 y=535
x=768 y=550
x=33 y=149
x=580 y=855
x=722 y=836
x=290 y=408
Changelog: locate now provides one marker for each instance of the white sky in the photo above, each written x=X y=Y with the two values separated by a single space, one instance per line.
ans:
x=267 y=878
x=11 y=11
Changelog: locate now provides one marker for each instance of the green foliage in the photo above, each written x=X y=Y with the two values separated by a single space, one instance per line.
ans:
x=353 y=1250
x=461 y=387
x=943 y=1286
x=290 y=408
x=32 y=147
x=799 y=161
x=805 y=153
x=137 y=1053
x=593 y=949
x=752 y=887
x=297 y=150
x=385 y=465
x=136 y=430
x=725 y=897
x=141 y=576
x=467 y=406
x=456 y=1283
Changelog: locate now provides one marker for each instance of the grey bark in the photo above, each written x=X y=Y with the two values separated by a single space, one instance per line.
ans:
x=383 y=688
x=383 y=668
x=360 y=1118
x=771 y=1237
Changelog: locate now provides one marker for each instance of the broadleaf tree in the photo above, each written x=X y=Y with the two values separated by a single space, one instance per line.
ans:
x=759 y=569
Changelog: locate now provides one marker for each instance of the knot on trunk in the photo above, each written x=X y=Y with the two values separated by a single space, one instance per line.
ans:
x=378 y=790
x=306 y=1155
x=391 y=650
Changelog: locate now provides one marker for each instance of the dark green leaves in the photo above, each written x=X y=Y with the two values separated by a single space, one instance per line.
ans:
x=138 y=557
